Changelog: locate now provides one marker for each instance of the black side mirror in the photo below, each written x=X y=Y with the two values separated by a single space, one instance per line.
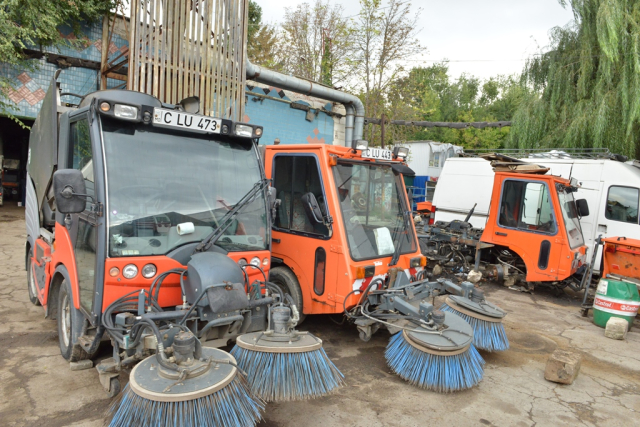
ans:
x=273 y=201
x=312 y=208
x=583 y=207
x=69 y=191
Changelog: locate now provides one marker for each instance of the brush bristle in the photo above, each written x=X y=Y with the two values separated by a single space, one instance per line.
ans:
x=439 y=373
x=277 y=377
x=232 y=406
x=489 y=336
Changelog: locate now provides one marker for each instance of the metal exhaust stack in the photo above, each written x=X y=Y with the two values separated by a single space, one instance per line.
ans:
x=354 y=107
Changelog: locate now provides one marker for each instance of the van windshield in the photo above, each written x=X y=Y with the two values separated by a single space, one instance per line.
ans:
x=371 y=201
x=570 y=215
x=169 y=188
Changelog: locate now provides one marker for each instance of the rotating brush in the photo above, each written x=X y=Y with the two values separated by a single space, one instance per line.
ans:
x=442 y=359
x=283 y=364
x=203 y=388
x=484 y=317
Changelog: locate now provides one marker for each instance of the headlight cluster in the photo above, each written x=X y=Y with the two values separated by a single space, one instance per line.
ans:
x=131 y=270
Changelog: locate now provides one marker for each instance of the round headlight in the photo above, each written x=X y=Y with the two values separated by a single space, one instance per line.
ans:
x=265 y=261
x=114 y=271
x=255 y=261
x=242 y=262
x=129 y=271
x=105 y=106
x=148 y=271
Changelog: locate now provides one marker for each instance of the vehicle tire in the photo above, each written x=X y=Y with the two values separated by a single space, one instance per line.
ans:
x=31 y=281
x=114 y=387
x=288 y=282
x=69 y=324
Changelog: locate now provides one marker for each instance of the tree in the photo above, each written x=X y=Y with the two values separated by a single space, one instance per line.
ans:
x=588 y=82
x=317 y=42
x=384 y=39
x=32 y=23
x=263 y=47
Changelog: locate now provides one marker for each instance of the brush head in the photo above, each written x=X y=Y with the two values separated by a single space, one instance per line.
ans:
x=284 y=369
x=440 y=371
x=454 y=334
x=488 y=330
x=479 y=307
x=217 y=396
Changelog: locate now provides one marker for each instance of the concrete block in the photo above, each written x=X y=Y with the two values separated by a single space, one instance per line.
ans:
x=562 y=367
x=616 y=328
x=474 y=276
x=81 y=365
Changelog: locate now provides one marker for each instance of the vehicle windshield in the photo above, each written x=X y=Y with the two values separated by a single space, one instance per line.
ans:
x=570 y=215
x=371 y=205
x=169 y=188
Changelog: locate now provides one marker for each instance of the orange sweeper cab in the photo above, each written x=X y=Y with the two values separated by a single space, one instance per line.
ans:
x=343 y=221
x=532 y=233
x=143 y=216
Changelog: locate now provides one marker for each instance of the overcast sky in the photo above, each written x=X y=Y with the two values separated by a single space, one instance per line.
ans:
x=482 y=38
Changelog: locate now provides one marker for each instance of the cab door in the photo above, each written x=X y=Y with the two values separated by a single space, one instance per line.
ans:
x=83 y=229
x=528 y=224
x=297 y=237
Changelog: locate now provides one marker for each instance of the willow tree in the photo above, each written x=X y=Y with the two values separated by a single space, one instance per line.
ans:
x=588 y=82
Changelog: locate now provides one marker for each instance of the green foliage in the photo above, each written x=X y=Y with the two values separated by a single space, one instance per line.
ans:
x=34 y=23
x=429 y=94
x=588 y=83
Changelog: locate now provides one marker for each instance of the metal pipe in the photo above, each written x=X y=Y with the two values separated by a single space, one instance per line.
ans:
x=348 y=124
x=351 y=102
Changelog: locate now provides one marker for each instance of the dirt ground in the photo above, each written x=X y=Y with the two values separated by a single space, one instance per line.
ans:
x=37 y=388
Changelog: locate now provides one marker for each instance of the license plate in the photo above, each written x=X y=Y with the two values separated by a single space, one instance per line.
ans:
x=377 y=153
x=181 y=120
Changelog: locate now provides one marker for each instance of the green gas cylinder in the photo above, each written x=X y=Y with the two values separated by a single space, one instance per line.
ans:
x=615 y=298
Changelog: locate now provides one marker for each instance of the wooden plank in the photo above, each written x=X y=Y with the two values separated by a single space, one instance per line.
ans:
x=163 y=49
x=175 y=28
x=206 y=43
x=198 y=40
x=132 y=82
x=143 y=46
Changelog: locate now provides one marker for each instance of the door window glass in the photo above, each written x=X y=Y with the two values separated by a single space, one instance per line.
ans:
x=622 y=204
x=527 y=206
x=294 y=176
x=81 y=157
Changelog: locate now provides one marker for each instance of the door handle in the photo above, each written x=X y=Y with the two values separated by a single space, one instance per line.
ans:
x=500 y=234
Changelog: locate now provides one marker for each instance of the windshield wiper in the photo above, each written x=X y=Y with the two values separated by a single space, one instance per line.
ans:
x=228 y=218
x=398 y=244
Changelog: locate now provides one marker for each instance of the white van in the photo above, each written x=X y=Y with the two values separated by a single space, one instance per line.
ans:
x=611 y=188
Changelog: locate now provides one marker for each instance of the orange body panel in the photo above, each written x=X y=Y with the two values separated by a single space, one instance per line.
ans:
x=563 y=261
x=621 y=256
x=63 y=254
x=115 y=287
x=42 y=257
x=298 y=251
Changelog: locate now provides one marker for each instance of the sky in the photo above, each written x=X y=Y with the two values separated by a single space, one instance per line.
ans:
x=481 y=38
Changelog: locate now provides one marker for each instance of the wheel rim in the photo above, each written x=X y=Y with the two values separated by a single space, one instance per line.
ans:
x=65 y=317
x=32 y=280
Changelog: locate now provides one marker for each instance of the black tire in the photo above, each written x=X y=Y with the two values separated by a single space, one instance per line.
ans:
x=31 y=281
x=288 y=282
x=69 y=325
x=114 y=387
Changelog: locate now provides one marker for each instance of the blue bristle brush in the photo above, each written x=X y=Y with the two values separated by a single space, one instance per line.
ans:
x=220 y=397
x=444 y=361
x=279 y=370
x=484 y=317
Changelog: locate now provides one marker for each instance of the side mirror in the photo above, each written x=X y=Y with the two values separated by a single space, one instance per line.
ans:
x=69 y=191
x=273 y=201
x=583 y=207
x=312 y=208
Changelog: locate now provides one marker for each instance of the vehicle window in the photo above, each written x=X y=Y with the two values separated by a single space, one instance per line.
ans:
x=570 y=215
x=371 y=200
x=294 y=176
x=81 y=157
x=622 y=204
x=526 y=206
